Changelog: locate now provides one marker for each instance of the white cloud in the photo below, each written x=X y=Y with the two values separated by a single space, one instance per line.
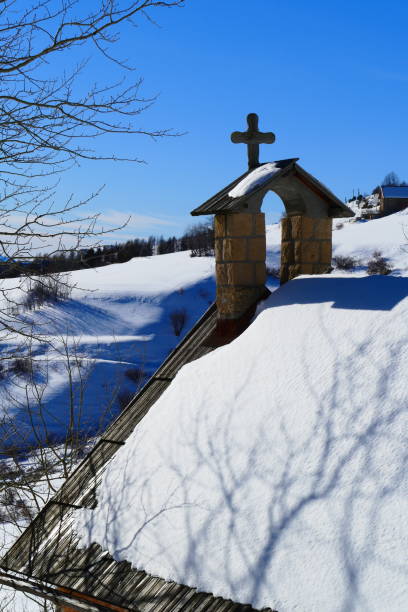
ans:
x=134 y=222
x=132 y=226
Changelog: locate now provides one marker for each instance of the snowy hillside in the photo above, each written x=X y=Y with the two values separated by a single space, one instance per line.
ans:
x=388 y=234
x=116 y=330
x=360 y=239
x=273 y=470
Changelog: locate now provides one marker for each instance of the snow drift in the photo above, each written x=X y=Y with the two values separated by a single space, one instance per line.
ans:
x=359 y=239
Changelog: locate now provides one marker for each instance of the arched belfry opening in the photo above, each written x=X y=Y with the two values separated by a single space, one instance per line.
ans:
x=239 y=224
x=273 y=207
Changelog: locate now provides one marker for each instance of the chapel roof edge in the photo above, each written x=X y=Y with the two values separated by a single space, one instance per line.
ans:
x=223 y=203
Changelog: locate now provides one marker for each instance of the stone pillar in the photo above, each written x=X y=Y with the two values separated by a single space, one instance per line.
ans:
x=306 y=246
x=240 y=251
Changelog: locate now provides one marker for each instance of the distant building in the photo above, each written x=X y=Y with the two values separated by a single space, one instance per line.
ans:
x=385 y=200
x=393 y=198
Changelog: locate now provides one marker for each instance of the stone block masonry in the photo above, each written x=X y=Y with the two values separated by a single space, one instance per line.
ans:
x=240 y=253
x=306 y=246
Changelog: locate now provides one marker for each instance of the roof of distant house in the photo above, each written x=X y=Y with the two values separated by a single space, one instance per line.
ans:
x=395 y=191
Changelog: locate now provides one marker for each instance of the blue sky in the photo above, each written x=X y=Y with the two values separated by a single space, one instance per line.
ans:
x=329 y=78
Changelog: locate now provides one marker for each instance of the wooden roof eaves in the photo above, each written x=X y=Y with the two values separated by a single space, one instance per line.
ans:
x=124 y=424
x=48 y=551
x=70 y=495
x=49 y=593
x=221 y=202
x=337 y=208
x=221 y=196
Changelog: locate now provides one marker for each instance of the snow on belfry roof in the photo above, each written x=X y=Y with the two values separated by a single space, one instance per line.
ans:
x=274 y=473
x=391 y=191
x=254 y=179
x=295 y=178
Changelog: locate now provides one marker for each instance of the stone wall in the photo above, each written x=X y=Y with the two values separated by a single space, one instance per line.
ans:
x=240 y=252
x=306 y=246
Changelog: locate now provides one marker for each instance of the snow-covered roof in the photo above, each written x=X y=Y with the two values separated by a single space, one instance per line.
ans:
x=263 y=465
x=391 y=191
x=268 y=463
x=294 y=178
x=254 y=179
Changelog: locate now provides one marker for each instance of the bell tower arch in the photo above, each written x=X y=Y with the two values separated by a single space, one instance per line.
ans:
x=240 y=239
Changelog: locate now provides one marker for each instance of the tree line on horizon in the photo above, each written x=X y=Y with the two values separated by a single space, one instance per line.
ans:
x=199 y=239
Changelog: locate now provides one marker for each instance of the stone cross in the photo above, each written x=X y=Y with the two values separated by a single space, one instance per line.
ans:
x=253 y=138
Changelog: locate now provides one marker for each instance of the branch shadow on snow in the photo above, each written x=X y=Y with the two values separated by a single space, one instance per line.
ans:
x=325 y=520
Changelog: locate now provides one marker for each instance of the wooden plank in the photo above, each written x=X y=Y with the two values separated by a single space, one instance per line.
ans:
x=176 y=595
x=39 y=590
x=163 y=598
x=185 y=601
x=147 y=592
x=199 y=603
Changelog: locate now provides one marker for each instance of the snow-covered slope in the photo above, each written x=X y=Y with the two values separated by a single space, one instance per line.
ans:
x=360 y=239
x=273 y=471
x=388 y=235
x=116 y=320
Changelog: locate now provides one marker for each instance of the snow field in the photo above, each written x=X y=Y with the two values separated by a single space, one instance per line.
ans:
x=117 y=319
